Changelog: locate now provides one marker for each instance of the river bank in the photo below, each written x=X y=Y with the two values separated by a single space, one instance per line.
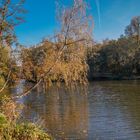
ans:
x=110 y=76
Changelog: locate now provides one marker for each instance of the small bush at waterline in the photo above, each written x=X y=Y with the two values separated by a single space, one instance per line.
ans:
x=24 y=131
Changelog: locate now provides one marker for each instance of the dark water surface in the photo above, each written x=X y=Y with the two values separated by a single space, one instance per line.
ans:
x=107 y=110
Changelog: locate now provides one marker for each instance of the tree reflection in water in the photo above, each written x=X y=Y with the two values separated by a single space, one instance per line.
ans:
x=64 y=112
x=106 y=110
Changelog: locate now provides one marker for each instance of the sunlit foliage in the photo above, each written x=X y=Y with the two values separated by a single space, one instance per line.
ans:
x=62 y=59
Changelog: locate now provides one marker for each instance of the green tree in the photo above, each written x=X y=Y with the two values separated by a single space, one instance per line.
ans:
x=133 y=29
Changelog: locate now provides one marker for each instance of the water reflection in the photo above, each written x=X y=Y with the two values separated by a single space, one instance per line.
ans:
x=114 y=110
x=63 y=112
x=105 y=111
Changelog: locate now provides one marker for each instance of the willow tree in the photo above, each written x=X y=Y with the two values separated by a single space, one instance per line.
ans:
x=63 y=57
x=71 y=42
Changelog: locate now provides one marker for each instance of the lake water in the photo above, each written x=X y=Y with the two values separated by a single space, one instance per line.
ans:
x=106 y=110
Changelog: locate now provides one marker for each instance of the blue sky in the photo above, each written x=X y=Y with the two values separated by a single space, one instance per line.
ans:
x=110 y=19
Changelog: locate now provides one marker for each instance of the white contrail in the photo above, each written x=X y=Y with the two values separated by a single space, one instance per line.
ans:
x=99 y=11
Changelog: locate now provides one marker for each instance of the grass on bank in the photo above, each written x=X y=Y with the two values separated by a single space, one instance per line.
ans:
x=11 y=130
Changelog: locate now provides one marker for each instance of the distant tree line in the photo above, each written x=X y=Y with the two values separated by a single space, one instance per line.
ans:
x=117 y=59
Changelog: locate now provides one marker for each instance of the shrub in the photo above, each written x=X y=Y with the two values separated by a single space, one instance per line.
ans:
x=25 y=131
